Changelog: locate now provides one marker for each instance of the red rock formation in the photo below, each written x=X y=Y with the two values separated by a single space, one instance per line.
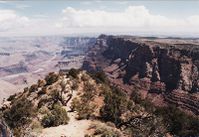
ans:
x=158 y=67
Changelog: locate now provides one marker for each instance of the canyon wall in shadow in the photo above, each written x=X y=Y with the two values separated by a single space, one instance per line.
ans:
x=163 y=68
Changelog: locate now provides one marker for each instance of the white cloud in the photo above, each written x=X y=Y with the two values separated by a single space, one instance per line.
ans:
x=194 y=20
x=14 y=24
x=133 y=16
x=9 y=20
x=133 y=19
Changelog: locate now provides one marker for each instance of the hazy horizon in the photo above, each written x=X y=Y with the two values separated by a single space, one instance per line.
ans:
x=140 y=18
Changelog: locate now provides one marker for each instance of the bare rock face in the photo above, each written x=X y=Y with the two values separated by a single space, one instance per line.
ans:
x=172 y=64
x=155 y=65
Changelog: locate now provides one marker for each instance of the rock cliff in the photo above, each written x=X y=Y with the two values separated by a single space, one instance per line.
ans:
x=152 y=64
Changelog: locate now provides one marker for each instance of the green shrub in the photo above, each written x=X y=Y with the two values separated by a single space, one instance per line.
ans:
x=85 y=111
x=75 y=104
x=61 y=115
x=89 y=92
x=19 y=114
x=115 y=104
x=12 y=97
x=58 y=116
x=48 y=120
x=51 y=78
x=100 y=77
x=33 y=88
x=180 y=123
x=73 y=72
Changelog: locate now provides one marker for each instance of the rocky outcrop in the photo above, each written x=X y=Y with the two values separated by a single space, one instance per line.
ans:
x=155 y=65
x=69 y=99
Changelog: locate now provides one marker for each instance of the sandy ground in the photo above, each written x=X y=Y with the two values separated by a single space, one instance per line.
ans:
x=75 y=128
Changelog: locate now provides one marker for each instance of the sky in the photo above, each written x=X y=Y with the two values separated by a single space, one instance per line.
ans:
x=81 y=17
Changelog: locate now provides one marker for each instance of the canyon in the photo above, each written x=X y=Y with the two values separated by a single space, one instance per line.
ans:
x=163 y=70
x=118 y=86
x=24 y=60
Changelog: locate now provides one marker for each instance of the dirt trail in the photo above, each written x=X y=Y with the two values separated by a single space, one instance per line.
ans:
x=75 y=128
